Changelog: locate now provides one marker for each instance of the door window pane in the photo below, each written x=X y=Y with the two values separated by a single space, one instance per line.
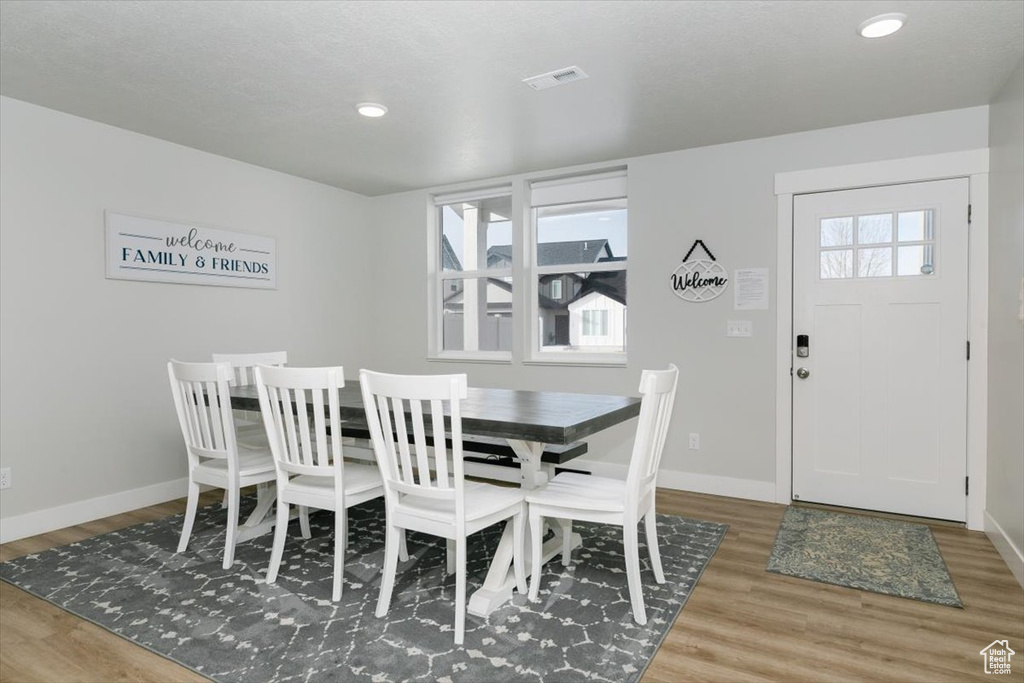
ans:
x=477 y=314
x=874 y=262
x=837 y=232
x=477 y=235
x=915 y=226
x=916 y=260
x=874 y=229
x=836 y=263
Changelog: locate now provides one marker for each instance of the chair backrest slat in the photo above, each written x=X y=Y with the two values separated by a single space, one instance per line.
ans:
x=243 y=365
x=301 y=445
x=394 y=404
x=440 y=444
x=402 y=440
x=203 y=405
x=658 y=391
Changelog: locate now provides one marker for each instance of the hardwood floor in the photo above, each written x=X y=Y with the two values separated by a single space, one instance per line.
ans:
x=741 y=623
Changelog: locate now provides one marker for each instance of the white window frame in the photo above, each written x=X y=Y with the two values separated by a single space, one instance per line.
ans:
x=575 y=189
x=438 y=277
x=580 y=185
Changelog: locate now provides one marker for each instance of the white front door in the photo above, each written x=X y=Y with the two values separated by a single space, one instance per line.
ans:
x=880 y=398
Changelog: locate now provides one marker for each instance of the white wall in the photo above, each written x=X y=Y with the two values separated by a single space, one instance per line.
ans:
x=84 y=398
x=1005 y=495
x=722 y=194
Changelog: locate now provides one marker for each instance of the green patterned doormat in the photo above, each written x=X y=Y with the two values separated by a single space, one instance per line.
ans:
x=872 y=554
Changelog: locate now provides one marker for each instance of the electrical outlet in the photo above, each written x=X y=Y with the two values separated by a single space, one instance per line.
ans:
x=5 y=478
x=694 y=441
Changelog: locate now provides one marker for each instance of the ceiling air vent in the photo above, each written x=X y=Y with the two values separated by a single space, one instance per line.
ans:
x=557 y=77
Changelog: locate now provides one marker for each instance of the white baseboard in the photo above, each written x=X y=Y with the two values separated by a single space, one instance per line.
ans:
x=687 y=481
x=1010 y=553
x=51 y=519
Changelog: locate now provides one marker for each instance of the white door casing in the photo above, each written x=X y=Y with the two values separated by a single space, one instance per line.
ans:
x=880 y=422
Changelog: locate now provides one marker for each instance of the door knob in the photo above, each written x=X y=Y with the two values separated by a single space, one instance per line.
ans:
x=803 y=373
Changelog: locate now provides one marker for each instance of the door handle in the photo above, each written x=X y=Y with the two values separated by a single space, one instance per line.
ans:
x=803 y=373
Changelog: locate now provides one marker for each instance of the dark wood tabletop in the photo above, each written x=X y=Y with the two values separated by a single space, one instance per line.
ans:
x=545 y=416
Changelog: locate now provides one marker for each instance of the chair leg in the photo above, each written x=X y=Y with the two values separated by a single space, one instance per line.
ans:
x=632 y=551
x=566 y=526
x=536 y=540
x=231 y=536
x=403 y=549
x=460 y=590
x=387 y=580
x=518 y=561
x=340 y=539
x=280 y=534
x=190 y=515
x=224 y=499
x=651 y=526
x=449 y=547
x=304 y=521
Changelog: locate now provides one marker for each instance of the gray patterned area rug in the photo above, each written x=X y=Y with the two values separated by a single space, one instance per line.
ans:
x=869 y=553
x=229 y=625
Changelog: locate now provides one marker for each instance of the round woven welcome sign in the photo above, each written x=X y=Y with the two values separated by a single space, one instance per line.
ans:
x=699 y=279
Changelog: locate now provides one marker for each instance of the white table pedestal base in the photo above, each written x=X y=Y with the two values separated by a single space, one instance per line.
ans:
x=501 y=579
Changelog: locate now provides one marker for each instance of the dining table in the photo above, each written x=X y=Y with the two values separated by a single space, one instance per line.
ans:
x=528 y=421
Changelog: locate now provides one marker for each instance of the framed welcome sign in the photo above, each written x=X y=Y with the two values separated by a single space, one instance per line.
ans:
x=156 y=250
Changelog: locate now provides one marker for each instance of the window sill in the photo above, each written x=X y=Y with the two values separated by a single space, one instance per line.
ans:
x=599 y=361
x=492 y=357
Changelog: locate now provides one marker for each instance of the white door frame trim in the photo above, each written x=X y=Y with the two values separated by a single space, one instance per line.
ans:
x=971 y=164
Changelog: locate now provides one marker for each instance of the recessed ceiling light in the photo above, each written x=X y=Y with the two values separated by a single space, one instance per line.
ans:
x=371 y=109
x=882 y=25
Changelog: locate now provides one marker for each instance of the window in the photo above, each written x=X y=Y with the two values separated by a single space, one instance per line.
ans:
x=565 y=242
x=595 y=323
x=903 y=238
x=579 y=231
x=556 y=289
x=474 y=272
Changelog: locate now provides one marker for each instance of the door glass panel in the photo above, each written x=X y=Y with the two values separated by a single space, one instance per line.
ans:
x=836 y=263
x=876 y=262
x=915 y=226
x=837 y=232
x=874 y=229
x=916 y=260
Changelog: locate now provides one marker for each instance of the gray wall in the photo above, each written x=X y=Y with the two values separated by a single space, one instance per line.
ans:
x=85 y=406
x=1005 y=501
x=723 y=194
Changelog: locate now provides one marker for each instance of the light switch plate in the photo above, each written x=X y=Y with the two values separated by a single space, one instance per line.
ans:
x=739 y=328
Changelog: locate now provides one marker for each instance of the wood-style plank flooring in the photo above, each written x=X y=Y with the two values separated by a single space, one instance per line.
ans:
x=741 y=623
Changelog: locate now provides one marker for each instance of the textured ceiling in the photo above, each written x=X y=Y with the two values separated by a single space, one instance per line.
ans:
x=275 y=83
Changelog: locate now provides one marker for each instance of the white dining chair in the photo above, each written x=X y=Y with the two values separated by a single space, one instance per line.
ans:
x=575 y=496
x=300 y=409
x=203 y=403
x=250 y=432
x=425 y=496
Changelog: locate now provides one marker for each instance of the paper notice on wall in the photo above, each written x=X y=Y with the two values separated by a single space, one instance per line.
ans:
x=750 y=289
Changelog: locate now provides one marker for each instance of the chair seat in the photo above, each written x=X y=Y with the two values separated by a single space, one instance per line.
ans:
x=481 y=500
x=358 y=478
x=250 y=462
x=581 y=492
